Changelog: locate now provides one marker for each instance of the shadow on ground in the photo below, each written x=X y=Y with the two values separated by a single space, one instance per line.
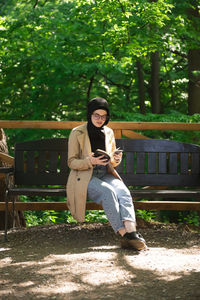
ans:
x=78 y=262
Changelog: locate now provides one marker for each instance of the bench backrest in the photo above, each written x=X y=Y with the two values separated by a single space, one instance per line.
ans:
x=145 y=162
x=159 y=162
x=41 y=162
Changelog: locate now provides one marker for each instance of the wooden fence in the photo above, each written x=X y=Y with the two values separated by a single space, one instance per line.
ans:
x=120 y=128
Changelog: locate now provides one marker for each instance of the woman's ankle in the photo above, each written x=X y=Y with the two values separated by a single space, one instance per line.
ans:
x=130 y=226
x=122 y=231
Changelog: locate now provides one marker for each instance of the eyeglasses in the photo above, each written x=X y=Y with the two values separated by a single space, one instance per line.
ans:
x=98 y=117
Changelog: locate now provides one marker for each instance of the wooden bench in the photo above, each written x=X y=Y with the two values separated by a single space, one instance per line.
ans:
x=149 y=168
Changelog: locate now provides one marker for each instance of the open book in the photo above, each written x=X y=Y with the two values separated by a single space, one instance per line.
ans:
x=100 y=152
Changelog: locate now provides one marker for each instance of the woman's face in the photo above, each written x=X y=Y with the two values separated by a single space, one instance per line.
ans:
x=99 y=117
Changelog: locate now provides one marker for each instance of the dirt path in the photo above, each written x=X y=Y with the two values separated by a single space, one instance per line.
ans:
x=86 y=262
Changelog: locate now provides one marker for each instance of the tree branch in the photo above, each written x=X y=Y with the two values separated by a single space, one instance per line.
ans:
x=90 y=87
x=122 y=8
x=36 y=3
x=126 y=87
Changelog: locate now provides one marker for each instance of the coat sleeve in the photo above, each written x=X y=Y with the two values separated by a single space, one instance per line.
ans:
x=74 y=154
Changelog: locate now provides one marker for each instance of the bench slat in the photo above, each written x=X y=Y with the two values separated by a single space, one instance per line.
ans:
x=53 y=162
x=140 y=163
x=147 y=205
x=63 y=162
x=41 y=161
x=162 y=163
x=195 y=163
x=150 y=193
x=60 y=192
x=152 y=163
x=161 y=179
x=184 y=163
x=173 y=163
x=129 y=163
x=30 y=161
x=19 y=162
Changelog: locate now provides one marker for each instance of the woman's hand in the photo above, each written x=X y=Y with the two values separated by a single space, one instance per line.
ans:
x=117 y=157
x=98 y=160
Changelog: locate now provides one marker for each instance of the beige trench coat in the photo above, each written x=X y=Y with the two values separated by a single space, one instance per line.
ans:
x=79 y=148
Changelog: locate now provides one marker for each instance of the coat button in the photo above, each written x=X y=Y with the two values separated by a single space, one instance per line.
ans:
x=78 y=179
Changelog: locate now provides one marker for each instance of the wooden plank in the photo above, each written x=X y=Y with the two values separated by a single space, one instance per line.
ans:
x=117 y=133
x=53 y=162
x=184 y=163
x=7 y=158
x=160 y=179
x=129 y=163
x=152 y=163
x=148 y=205
x=133 y=135
x=162 y=165
x=157 y=145
x=140 y=164
x=23 y=206
x=173 y=163
x=167 y=205
x=63 y=161
x=174 y=194
x=41 y=161
x=40 y=124
x=195 y=164
x=19 y=163
x=113 y=125
x=30 y=161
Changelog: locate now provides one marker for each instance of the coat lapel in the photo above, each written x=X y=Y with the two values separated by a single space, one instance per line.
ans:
x=84 y=141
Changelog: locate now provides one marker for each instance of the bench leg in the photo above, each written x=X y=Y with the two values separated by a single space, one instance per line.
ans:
x=13 y=211
x=6 y=218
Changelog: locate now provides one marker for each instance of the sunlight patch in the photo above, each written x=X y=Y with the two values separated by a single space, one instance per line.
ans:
x=4 y=249
x=103 y=247
x=26 y=284
x=68 y=287
x=6 y=260
x=106 y=277
x=186 y=262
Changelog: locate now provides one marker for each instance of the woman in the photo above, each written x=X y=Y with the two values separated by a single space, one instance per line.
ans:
x=94 y=178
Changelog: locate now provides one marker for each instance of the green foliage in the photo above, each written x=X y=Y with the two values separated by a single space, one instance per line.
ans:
x=146 y=215
x=40 y=218
x=174 y=117
x=180 y=217
x=34 y=218
x=96 y=216
x=56 y=56
x=191 y=218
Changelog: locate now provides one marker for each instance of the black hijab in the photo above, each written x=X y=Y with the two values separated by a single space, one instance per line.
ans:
x=96 y=134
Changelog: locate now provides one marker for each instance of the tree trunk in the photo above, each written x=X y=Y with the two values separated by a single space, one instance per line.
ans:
x=141 y=87
x=155 y=83
x=19 y=217
x=194 y=81
x=194 y=62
